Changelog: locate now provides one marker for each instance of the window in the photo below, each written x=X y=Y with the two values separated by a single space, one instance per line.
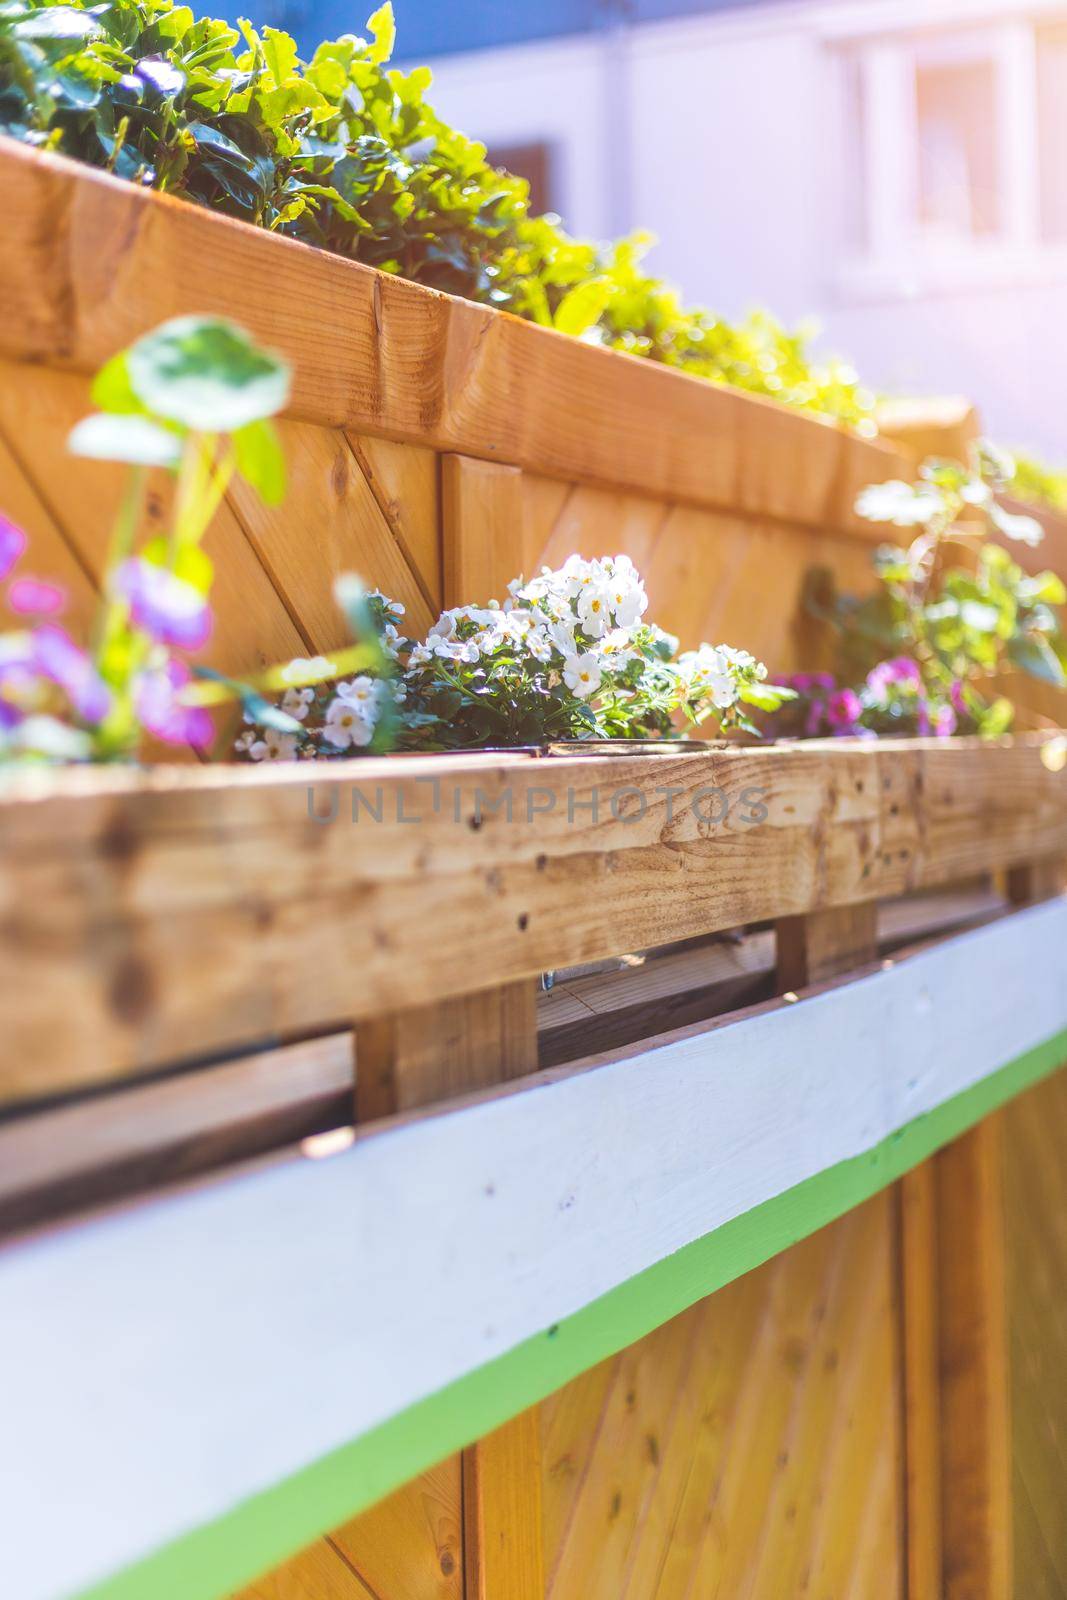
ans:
x=954 y=154
x=1052 y=130
x=957 y=157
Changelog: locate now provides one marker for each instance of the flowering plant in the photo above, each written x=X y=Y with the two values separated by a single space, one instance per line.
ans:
x=192 y=397
x=567 y=655
x=923 y=653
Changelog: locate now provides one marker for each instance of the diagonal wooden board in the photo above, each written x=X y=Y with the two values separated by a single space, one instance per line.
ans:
x=205 y=1382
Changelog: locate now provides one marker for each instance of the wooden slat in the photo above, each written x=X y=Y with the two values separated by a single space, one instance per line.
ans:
x=937 y=425
x=423 y=1054
x=975 y=1403
x=404 y=479
x=382 y=356
x=329 y=523
x=82 y=1154
x=920 y=1335
x=503 y=1541
x=825 y=943
x=1035 y=1195
x=482 y=529
x=124 y=892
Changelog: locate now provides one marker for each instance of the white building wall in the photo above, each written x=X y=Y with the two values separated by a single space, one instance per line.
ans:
x=731 y=138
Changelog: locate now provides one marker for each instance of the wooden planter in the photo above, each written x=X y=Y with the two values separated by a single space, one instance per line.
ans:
x=644 y=1286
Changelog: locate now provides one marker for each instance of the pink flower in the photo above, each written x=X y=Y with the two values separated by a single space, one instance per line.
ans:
x=57 y=656
x=944 y=722
x=12 y=544
x=34 y=597
x=162 y=713
x=169 y=610
x=843 y=712
x=956 y=695
x=900 y=670
x=805 y=682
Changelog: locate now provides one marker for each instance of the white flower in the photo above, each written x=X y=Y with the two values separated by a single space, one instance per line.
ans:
x=594 y=609
x=361 y=694
x=274 y=746
x=538 y=644
x=346 y=725
x=707 y=673
x=616 y=649
x=626 y=592
x=1027 y=530
x=420 y=656
x=577 y=574
x=561 y=637
x=244 y=742
x=297 y=701
x=903 y=504
x=581 y=674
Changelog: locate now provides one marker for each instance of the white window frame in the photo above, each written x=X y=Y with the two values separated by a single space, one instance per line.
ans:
x=896 y=261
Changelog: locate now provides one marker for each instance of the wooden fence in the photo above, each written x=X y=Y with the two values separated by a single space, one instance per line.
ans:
x=198 y=970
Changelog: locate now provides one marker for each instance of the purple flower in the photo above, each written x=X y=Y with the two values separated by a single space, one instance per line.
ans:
x=162 y=713
x=944 y=722
x=12 y=544
x=843 y=712
x=57 y=656
x=169 y=610
x=956 y=695
x=901 y=670
x=34 y=597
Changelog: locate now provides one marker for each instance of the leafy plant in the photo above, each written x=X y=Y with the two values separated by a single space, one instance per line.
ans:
x=1039 y=484
x=925 y=651
x=193 y=397
x=345 y=153
x=567 y=656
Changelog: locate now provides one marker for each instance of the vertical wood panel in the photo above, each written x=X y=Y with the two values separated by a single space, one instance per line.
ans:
x=825 y=944
x=405 y=481
x=434 y=1052
x=750 y=1448
x=975 y=1407
x=1035 y=1193
x=917 y=1201
x=502 y=1513
x=481 y=505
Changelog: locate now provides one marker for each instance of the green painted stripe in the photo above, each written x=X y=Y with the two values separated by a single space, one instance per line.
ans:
x=213 y=1560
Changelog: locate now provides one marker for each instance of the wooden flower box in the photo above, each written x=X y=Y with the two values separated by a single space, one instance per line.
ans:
x=331 y=1238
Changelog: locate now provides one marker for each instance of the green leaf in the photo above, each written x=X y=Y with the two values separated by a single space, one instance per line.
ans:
x=261 y=461
x=135 y=440
x=582 y=306
x=207 y=374
x=279 y=52
x=383 y=31
x=766 y=696
x=112 y=389
x=1033 y=653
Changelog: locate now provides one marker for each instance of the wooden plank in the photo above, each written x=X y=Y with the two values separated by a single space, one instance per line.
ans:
x=405 y=481
x=381 y=356
x=342 y=529
x=222 y=885
x=503 y=1549
x=424 y=1054
x=1035 y=1196
x=975 y=1405
x=482 y=529
x=156 y=1133
x=825 y=943
x=252 y=627
x=469 y=1233
x=933 y=425
x=410 y=1545
x=920 y=1338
